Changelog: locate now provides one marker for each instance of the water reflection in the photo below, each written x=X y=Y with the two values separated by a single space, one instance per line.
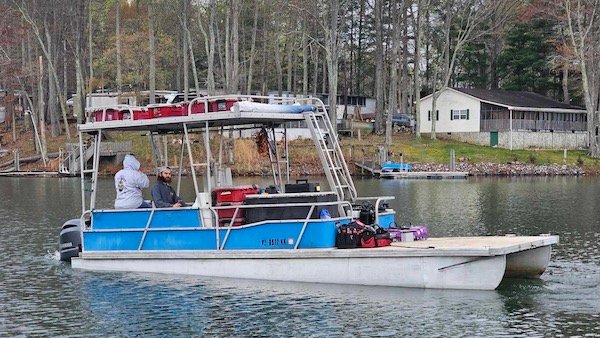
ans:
x=41 y=296
x=194 y=306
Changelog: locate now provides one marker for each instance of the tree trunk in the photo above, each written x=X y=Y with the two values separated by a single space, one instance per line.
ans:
x=186 y=62
x=379 y=80
x=324 y=77
x=403 y=53
x=54 y=124
x=65 y=79
x=235 y=46
x=193 y=61
x=228 y=72
x=565 y=84
x=152 y=53
x=360 y=52
x=393 y=96
x=91 y=55
x=445 y=66
x=252 y=49
x=78 y=104
x=54 y=132
x=304 y=61
x=315 y=55
x=263 y=68
x=118 y=42
x=290 y=50
x=332 y=44
x=278 y=66
x=417 y=66
x=212 y=45
x=41 y=118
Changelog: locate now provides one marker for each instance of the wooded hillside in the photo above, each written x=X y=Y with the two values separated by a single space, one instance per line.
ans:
x=396 y=51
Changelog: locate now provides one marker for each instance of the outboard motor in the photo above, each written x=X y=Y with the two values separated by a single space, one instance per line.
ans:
x=69 y=243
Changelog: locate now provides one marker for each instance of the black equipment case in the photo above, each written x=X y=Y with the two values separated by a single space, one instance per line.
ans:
x=302 y=186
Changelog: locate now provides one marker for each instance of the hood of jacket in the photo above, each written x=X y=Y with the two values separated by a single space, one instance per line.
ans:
x=130 y=162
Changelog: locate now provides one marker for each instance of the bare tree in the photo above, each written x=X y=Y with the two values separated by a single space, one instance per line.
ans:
x=379 y=68
x=152 y=53
x=47 y=54
x=468 y=18
x=583 y=31
x=421 y=7
x=118 y=42
x=252 y=48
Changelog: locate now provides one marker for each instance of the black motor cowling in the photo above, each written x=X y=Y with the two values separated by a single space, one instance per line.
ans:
x=69 y=243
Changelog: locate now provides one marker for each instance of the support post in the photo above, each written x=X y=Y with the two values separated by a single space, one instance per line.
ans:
x=510 y=112
x=17 y=160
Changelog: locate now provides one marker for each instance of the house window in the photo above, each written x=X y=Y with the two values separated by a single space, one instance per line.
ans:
x=460 y=114
x=437 y=115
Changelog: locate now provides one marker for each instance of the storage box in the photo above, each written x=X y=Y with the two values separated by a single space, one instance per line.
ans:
x=197 y=107
x=109 y=115
x=302 y=186
x=167 y=110
x=289 y=212
x=232 y=194
x=221 y=105
x=225 y=196
x=401 y=235
x=139 y=113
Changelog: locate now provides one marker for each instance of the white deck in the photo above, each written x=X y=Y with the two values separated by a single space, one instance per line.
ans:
x=454 y=263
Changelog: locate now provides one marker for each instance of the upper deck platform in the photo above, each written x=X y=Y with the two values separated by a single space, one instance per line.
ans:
x=240 y=111
x=216 y=119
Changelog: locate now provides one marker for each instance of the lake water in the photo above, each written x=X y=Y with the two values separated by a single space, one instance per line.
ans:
x=40 y=296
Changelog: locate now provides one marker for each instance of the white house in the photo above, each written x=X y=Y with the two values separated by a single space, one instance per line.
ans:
x=507 y=119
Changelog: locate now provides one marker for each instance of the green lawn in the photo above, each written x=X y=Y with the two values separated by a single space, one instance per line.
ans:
x=426 y=150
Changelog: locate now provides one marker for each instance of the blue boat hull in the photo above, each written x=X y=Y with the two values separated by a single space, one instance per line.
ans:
x=181 y=229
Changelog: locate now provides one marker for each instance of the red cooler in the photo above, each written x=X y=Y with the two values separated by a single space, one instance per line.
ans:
x=221 y=105
x=168 y=110
x=232 y=196
x=197 y=107
x=111 y=115
x=139 y=113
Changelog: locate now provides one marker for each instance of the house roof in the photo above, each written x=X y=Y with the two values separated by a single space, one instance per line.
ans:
x=515 y=99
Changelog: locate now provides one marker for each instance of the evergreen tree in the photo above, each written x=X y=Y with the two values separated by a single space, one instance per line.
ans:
x=523 y=65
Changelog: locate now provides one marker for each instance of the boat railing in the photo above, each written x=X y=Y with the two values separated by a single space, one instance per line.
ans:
x=220 y=245
x=378 y=200
x=283 y=100
x=126 y=112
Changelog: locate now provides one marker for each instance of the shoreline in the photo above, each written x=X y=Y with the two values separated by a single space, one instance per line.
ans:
x=485 y=169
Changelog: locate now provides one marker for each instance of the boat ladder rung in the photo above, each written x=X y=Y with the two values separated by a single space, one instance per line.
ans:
x=88 y=171
x=199 y=164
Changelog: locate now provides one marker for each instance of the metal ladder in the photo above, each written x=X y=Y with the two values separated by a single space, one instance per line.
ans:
x=91 y=183
x=274 y=157
x=331 y=155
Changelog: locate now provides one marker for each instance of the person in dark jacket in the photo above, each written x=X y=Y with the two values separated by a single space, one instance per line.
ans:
x=163 y=194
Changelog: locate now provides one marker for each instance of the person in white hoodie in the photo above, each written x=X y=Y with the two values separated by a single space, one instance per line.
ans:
x=129 y=183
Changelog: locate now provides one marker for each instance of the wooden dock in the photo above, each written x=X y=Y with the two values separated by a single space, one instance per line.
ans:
x=369 y=167
x=30 y=174
x=432 y=175
x=373 y=169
